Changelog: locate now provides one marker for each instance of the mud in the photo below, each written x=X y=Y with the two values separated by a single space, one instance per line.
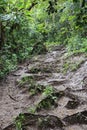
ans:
x=69 y=103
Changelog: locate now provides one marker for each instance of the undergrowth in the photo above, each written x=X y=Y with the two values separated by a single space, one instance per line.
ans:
x=21 y=29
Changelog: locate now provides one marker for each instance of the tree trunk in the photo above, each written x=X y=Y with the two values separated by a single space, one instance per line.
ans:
x=83 y=3
x=2 y=35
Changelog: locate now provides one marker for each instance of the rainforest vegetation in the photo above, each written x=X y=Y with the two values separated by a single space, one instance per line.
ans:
x=25 y=23
x=43 y=64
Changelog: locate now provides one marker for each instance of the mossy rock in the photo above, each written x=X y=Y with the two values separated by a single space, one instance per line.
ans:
x=51 y=96
x=47 y=103
x=39 y=48
x=39 y=121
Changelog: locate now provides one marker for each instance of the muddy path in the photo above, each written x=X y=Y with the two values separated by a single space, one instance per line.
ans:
x=62 y=79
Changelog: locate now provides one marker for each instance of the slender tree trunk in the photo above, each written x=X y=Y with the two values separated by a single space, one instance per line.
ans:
x=2 y=35
x=83 y=3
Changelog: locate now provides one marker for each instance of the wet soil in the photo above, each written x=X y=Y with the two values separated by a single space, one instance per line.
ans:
x=65 y=108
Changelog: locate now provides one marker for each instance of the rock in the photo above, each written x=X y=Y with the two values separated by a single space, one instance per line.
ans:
x=48 y=121
x=47 y=103
x=72 y=104
x=57 y=81
x=85 y=83
x=78 y=118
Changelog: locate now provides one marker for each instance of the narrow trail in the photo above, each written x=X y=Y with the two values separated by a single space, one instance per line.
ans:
x=52 y=69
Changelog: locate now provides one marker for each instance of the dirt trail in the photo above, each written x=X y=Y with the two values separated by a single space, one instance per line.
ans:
x=68 y=75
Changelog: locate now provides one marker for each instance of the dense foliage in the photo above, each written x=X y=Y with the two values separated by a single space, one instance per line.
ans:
x=23 y=23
